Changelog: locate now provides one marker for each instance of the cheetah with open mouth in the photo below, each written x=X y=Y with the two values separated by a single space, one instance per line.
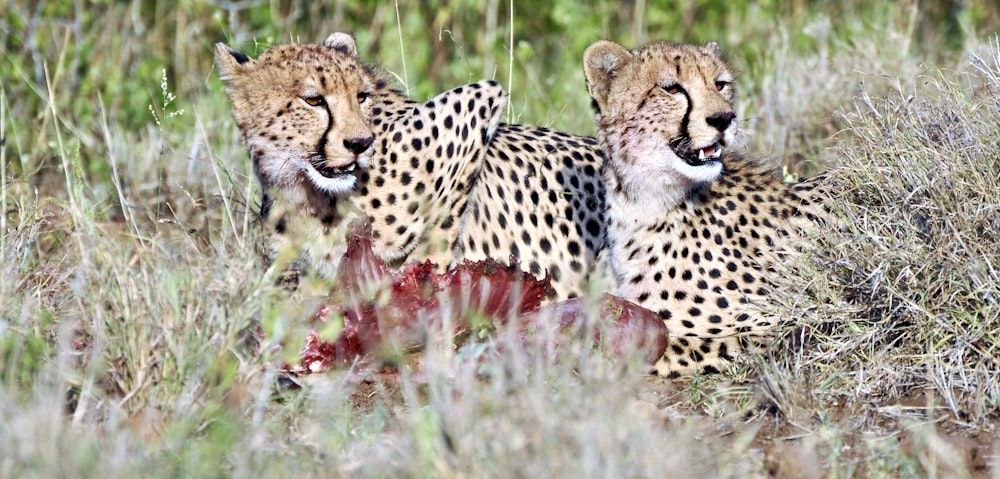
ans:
x=694 y=230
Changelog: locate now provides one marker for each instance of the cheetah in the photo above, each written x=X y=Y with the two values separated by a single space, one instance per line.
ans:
x=444 y=180
x=309 y=114
x=694 y=230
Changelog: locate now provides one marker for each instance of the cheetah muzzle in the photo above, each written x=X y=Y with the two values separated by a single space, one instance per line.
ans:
x=706 y=155
x=701 y=156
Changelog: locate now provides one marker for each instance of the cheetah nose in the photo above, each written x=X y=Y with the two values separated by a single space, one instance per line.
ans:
x=721 y=120
x=358 y=145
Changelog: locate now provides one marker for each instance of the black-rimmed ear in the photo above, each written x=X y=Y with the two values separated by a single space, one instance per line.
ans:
x=601 y=62
x=228 y=60
x=343 y=43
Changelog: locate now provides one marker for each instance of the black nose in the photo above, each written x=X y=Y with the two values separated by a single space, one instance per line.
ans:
x=358 y=145
x=721 y=120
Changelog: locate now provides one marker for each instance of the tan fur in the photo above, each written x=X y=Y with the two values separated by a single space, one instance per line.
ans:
x=695 y=240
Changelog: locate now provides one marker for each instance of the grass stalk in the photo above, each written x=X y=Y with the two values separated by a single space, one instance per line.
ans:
x=4 y=105
x=218 y=181
x=115 y=175
x=510 y=65
x=402 y=49
x=70 y=188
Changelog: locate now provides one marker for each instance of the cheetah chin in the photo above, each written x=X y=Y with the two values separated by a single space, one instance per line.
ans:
x=701 y=157
x=335 y=180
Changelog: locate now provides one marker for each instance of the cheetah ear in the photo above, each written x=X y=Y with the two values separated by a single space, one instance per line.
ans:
x=714 y=48
x=228 y=60
x=343 y=43
x=601 y=62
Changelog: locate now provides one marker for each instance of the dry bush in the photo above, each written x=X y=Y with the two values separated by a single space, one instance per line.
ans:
x=901 y=300
x=796 y=99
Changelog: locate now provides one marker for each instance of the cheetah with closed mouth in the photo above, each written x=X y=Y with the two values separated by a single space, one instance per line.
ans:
x=694 y=230
x=330 y=139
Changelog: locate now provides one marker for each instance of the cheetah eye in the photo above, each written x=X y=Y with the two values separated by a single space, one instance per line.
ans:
x=673 y=89
x=363 y=97
x=721 y=85
x=314 y=100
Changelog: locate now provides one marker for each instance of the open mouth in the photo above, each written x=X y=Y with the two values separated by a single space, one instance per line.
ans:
x=700 y=157
x=337 y=172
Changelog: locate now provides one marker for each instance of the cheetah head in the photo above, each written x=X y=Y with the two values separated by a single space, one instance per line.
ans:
x=665 y=110
x=304 y=112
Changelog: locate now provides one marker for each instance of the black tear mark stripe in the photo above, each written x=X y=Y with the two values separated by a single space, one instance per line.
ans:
x=685 y=136
x=321 y=146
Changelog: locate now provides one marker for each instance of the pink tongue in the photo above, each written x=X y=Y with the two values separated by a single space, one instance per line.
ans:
x=709 y=151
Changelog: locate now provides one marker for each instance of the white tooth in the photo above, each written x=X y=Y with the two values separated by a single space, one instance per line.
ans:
x=349 y=167
x=701 y=154
x=718 y=151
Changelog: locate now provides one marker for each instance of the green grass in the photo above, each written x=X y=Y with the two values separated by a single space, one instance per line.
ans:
x=131 y=284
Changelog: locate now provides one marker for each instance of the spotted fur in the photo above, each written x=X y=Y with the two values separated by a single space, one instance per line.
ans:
x=540 y=199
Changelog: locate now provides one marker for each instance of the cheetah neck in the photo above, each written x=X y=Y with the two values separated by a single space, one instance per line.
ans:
x=639 y=193
x=633 y=202
x=641 y=201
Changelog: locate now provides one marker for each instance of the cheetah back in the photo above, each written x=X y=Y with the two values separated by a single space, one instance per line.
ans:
x=540 y=199
x=426 y=161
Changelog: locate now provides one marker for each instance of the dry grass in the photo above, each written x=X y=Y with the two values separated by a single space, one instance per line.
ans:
x=131 y=287
x=910 y=275
x=899 y=302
